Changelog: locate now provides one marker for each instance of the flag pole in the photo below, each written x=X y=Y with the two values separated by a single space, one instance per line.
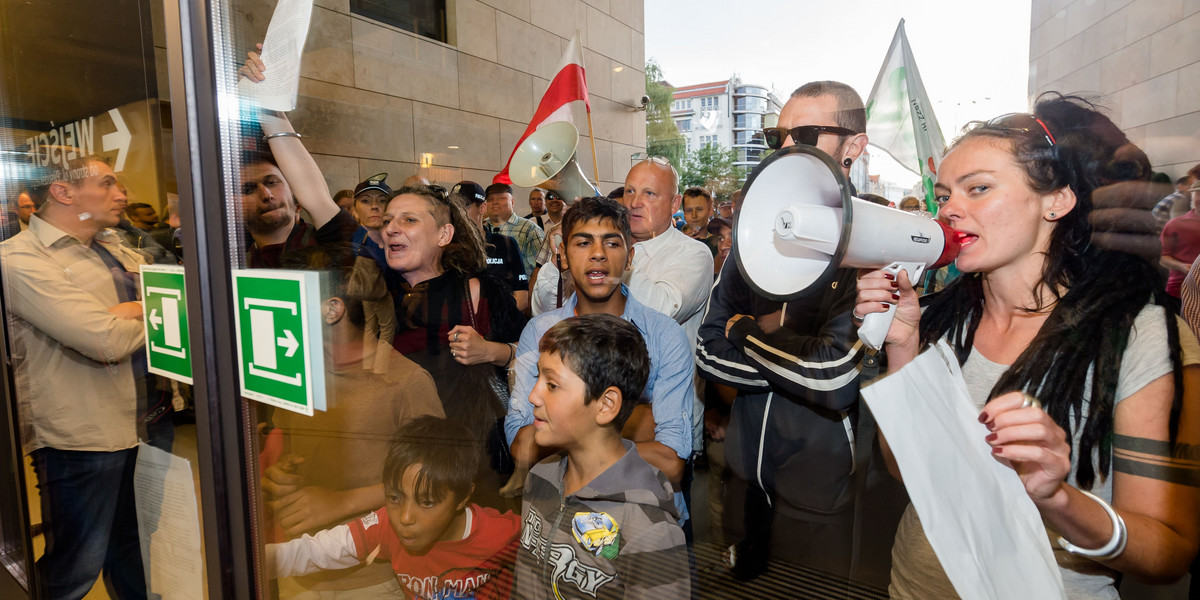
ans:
x=591 y=134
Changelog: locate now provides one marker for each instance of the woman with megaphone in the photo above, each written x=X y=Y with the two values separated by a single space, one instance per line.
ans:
x=1086 y=383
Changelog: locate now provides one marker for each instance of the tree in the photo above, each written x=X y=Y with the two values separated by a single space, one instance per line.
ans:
x=711 y=167
x=662 y=136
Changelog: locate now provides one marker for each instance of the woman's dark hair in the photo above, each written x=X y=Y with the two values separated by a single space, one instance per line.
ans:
x=465 y=253
x=1096 y=293
x=449 y=458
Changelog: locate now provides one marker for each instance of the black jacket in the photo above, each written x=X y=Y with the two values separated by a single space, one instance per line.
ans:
x=802 y=380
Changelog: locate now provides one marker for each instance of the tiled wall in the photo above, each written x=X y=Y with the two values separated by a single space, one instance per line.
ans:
x=1141 y=56
x=375 y=98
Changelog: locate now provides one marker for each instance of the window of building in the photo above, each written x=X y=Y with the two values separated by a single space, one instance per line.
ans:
x=684 y=125
x=709 y=103
x=424 y=17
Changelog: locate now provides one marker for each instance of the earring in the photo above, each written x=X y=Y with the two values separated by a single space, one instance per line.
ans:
x=847 y=161
x=1053 y=215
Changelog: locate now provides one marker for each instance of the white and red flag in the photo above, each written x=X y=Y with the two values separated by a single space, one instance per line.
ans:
x=568 y=87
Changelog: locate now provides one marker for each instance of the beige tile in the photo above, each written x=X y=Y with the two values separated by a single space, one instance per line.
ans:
x=628 y=85
x=1175 y=46
x=600 y=5
x=599 y=74
x=510 y=132
x=475 y=27
x=1039 y=12
x=604 y=157
x=351 y=122
x=562 y=17
x=1085 y=80
x=1082 y=14
x=482 y=177
x=527 y=48
x=637 y=55
x=516 y=8
x=1126 y=67
x=341 y=172
x=490 y=89
x=1046 y=36
x=1112 y=6
x=342 y=6
x=328 y=52
x=629 y=12
x=1190 y=7
x=1174 y=140
x=404 y=64
x=1187 y=98
x=437 y=128
x=1150 y=101
x=1105 y=37
x=397 y=171
x=608 y=36
x=1148 y=16
x=1065 y=58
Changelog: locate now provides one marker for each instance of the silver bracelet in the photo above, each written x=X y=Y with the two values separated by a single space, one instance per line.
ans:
x=1115 y=545
x=282 y=134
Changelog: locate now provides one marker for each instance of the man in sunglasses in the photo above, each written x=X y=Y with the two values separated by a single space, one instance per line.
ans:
x=796 y=368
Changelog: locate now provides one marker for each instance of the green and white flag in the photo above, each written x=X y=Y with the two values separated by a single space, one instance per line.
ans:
x=900 y=118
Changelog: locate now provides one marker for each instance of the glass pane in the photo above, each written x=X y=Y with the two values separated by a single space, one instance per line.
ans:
x=423 y=312
x=89 y=200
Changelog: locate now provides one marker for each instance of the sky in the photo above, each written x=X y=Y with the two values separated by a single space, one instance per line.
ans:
x=973 y=55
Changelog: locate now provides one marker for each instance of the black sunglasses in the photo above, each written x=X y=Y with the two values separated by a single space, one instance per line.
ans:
x=1023 y=122
x=806 y=135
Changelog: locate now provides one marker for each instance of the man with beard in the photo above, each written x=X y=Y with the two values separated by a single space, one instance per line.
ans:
x=790 y=437
x=275 y=185
x=269 y=203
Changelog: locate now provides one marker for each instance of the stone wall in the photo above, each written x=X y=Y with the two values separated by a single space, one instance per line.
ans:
x=1142 y=57
x=377 y=98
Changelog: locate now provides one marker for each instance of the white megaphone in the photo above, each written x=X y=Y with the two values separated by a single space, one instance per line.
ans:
x=546 y=159
x=798 y=224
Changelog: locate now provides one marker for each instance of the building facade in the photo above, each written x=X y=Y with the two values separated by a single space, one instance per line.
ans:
x=1140 y=58
x=729 y=113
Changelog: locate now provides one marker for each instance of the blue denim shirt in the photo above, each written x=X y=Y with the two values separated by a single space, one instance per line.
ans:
x=669 y=387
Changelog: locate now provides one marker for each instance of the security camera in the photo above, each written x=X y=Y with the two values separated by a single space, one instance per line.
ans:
x=644 y=100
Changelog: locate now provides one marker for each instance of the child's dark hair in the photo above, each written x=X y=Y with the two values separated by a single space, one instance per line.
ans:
x=589 y=209
x=448 y=456
x=604 y=351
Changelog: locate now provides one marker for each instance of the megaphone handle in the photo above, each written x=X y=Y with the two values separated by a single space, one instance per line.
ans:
x=875 y=326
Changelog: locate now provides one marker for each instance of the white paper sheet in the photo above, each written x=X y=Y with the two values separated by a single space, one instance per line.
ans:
x=169 y=524
x=985 y=530
x=281 y=52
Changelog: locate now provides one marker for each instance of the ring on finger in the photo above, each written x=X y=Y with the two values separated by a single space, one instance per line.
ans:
x=455 y=336
x=1028 y=400
x=453 y=355
x=854 y=315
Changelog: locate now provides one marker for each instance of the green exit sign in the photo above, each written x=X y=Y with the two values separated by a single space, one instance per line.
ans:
x=279 y=338
x=164 y=302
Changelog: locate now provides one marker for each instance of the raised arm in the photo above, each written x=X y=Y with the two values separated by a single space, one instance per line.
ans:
x=297 y=165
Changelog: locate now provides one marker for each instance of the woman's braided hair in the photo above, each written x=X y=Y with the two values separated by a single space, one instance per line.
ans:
x=1096 y=293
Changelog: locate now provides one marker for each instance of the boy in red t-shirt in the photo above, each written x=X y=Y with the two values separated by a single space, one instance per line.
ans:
x=439 y=544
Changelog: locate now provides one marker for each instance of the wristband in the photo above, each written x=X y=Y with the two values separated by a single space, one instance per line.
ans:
x=1115 y=545
x=282 y=134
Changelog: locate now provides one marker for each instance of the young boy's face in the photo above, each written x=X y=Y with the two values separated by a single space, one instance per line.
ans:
x=597 y=257
x=421 y=522
x=560 y=417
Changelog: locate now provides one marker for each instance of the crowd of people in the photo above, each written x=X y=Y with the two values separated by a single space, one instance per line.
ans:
x=519 y=405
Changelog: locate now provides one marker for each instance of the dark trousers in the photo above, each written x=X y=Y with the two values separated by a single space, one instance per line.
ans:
x=90 y=523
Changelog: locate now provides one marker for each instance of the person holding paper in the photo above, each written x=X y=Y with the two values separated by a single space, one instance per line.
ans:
x=1042 y=313
x=276 y=185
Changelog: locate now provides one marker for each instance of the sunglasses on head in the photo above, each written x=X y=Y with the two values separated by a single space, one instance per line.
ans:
x=1022 y=122
x=806 y=135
